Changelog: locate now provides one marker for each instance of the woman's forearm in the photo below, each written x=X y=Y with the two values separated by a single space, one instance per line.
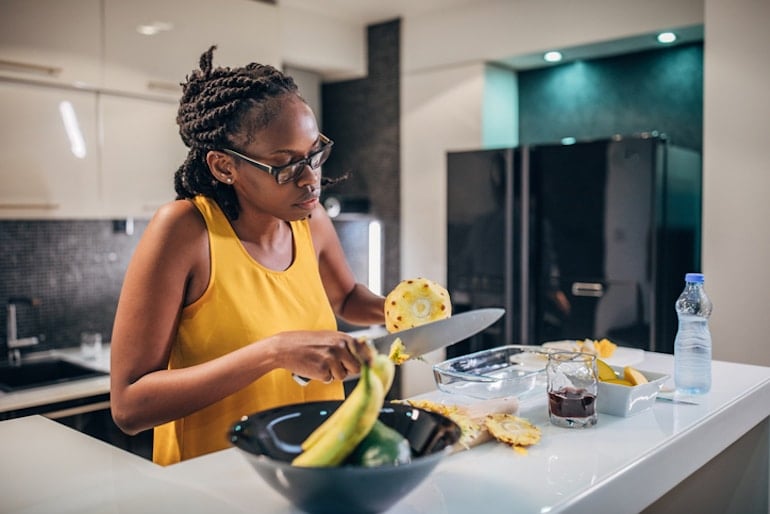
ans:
x=363 y=307
x=166 y=395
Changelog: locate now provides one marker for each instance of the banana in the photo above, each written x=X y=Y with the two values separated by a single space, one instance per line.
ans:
x=341 y=433
x=383 y=369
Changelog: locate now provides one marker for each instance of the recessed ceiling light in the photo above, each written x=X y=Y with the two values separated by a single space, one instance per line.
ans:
x=552 y=56
x=666 y=37
x=156 y=27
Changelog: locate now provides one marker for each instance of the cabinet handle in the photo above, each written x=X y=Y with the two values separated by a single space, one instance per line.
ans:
x=29 y=205
x=167 y=87
x=82 y=409
x=594 y=289
x=35 y=69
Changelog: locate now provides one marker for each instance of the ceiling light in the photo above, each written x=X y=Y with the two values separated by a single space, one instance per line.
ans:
x=666 y=37
x=552 y=56
x=156 y=27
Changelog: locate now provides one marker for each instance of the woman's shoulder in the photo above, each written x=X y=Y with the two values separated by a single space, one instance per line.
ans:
x=179 y=213
x=178 y=222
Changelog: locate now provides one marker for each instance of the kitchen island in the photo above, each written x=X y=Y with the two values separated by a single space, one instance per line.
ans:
x=710 y=457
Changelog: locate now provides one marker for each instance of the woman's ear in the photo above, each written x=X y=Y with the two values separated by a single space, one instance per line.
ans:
x=221 y=166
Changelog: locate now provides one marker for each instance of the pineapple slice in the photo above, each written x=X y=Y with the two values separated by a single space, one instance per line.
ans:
x=512 y=430
x=415 y=302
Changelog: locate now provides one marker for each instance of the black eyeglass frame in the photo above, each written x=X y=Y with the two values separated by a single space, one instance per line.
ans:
x=299 y=165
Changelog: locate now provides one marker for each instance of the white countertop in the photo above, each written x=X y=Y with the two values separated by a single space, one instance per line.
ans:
x=620 y=465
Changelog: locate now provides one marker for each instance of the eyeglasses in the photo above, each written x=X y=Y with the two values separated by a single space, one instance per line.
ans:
x=293 y=170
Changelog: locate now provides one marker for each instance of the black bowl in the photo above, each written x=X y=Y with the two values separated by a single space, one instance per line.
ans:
x=271 y=439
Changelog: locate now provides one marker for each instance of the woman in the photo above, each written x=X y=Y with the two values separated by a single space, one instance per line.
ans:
x=234 y=286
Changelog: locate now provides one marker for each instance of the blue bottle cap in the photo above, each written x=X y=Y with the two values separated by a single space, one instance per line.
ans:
x=694 y=277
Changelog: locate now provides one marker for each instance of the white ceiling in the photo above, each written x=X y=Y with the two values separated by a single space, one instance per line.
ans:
x=373 y=11
x=607 y=48
x=366 y=12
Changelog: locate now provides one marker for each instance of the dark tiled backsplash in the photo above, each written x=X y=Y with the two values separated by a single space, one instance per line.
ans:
x=75 y=268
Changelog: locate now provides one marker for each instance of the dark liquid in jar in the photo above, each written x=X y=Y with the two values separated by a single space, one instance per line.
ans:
x=572 y=403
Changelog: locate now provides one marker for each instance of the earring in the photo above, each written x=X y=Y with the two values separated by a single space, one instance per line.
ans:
x=229 y=180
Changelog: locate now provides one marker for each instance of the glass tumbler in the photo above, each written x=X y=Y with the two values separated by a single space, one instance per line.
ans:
x=91 y=345
x=572 y=387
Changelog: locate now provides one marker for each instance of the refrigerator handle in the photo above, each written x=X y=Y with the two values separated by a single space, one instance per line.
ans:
x=594 y=289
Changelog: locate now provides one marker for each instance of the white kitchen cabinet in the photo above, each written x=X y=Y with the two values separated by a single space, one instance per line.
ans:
x=141 y=150
x=243 y=30
x=49 y=157
x=54 y=41
x=86 y=61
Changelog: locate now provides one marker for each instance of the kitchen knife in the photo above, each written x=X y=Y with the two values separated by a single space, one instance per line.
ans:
x=438 y=334
x=435 y=335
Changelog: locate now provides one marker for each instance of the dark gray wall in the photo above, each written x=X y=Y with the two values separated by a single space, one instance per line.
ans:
x=362 y=116
x=656 y=90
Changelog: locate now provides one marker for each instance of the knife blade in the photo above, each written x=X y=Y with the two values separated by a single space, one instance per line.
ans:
x=439 y=334
x=433 y=336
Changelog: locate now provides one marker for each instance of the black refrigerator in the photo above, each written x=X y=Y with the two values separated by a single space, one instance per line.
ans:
x=586 y=240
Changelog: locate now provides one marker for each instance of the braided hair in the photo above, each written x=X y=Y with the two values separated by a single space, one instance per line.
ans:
x=215 y=112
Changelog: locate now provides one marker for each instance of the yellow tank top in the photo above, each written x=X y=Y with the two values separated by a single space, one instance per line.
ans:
x=244 y=302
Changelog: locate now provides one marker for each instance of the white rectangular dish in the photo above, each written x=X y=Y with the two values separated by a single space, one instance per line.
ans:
x=623 y=400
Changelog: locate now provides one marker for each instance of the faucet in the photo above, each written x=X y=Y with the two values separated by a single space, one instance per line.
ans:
x=14 y=354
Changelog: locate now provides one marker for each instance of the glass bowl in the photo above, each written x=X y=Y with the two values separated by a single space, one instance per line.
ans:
x=511 y=370
x=271 y=439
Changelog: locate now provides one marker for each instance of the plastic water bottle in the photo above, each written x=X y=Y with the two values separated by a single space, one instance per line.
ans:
x=692 y=345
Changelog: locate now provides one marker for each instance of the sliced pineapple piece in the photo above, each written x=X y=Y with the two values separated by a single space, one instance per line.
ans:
x=619 y=381
x=415 y=302
x=605 y=348
x=634 y=376
x=398 y=354
x=512 y=430
x=606 y=373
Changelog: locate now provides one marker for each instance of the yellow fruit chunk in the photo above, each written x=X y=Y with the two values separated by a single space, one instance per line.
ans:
x=634 y=376
x=606 y=373
x=619 y=381
x=605 y=348
x=398 y=353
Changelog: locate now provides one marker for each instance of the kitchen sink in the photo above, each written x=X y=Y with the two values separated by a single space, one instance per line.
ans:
x=41 y=373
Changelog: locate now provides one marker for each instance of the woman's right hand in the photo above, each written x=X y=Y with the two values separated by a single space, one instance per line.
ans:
x=323 y=355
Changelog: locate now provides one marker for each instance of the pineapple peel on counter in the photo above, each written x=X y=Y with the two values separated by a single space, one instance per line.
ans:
x=488 y=419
